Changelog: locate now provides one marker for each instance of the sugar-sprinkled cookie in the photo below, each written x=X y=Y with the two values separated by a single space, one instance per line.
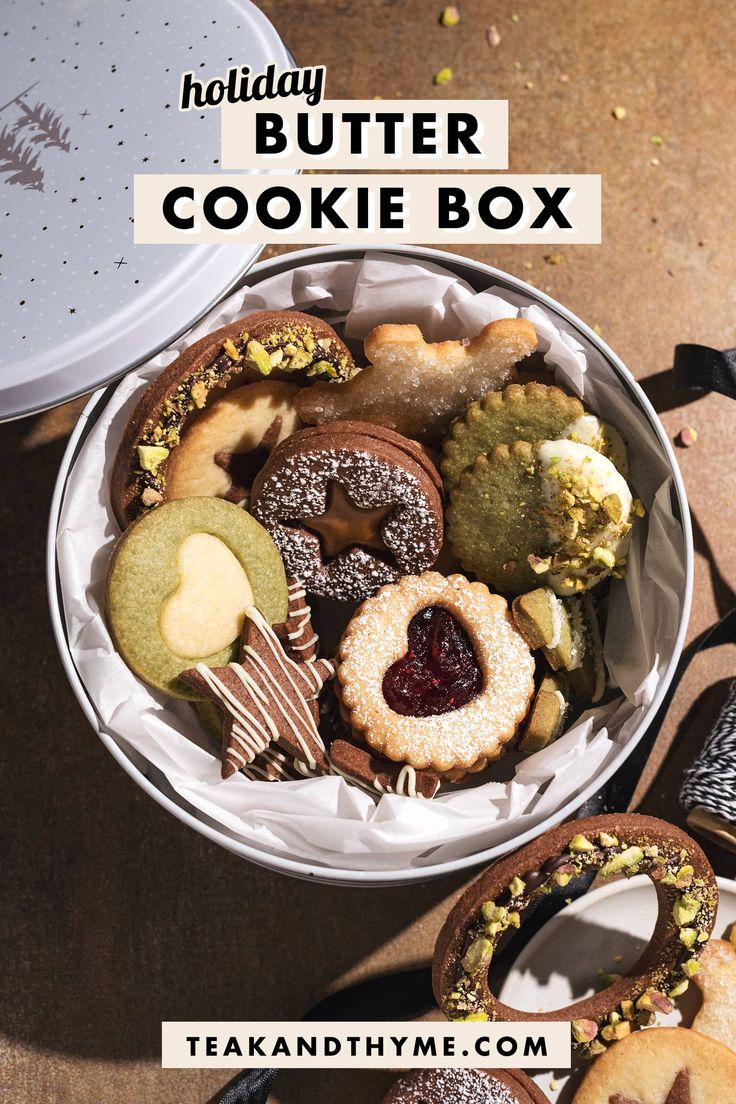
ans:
x=619 y=843
x=556 y=512
x=280 y=344
x=432 y=672
x=417 y=387
x=179 y=582
x=350 y=507
x=464 y=1086
x=524 y=412
x=667 y=1065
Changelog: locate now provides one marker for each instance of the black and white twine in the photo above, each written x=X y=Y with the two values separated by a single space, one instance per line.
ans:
x=710 y=781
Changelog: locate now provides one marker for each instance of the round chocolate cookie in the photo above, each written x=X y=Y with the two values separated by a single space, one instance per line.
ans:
x=625 y=843
x=350 y=507
x=278 y=344
x=464 y=1086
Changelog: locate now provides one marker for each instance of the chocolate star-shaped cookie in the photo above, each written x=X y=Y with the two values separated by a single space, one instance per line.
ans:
x=243 y=467
x=266 y=697
x=678 y=1094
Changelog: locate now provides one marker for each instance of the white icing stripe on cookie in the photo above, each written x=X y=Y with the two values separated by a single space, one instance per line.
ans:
x=249 y=732
x=406 y=783
x=557 y=615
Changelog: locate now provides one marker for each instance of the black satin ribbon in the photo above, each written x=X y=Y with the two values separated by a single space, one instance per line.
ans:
x=705 y=369
x=409 y=994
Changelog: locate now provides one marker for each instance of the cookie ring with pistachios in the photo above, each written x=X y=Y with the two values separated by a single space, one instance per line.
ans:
x=280 y=345
x=623 y=843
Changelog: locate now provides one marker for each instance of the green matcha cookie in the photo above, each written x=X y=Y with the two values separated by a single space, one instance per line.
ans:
x=555 y=513
x=547 y=714
x=179 y=582
x=521 y=412
x=525 y=412
x=543 y=621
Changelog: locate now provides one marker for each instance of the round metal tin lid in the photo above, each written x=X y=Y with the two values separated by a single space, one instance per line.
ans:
x=88 y=97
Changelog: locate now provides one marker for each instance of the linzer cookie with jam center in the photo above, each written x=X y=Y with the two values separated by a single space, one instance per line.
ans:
x=616 y=844
x=279 y=344
x=351 y=507
x=464 y=1086
x=432 y=672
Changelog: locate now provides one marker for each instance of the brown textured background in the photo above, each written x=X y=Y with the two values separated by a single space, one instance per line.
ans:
x=113 y=915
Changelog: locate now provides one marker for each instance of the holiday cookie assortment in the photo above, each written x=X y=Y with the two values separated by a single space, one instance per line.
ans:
x=455 y=518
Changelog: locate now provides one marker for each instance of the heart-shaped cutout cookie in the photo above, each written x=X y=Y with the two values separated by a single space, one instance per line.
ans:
x=440 y=671
x=205 y=613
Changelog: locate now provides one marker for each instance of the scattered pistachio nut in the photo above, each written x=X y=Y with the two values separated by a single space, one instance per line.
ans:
x=150 y=456
x=624 y=861
x=450 y=16
x=444 y=76
x=478 y=955
x=579 y=844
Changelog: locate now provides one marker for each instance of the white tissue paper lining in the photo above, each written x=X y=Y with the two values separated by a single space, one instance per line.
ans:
x=325 y=822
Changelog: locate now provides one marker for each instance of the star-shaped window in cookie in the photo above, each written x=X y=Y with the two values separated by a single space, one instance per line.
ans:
x=678 y=1094
x=344 y=524
x=243 y=467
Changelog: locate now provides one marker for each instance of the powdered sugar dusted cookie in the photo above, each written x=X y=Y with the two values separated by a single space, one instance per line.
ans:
x=350 y=507
x=432 y=672
x=464 y=1086
x=418 y=388
x=667 y=1065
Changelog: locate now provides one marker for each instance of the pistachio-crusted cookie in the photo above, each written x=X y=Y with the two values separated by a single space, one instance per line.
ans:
x=620 y=843
x=556 y=512
x=282 y=344
x=524 y=412
x=432 y=672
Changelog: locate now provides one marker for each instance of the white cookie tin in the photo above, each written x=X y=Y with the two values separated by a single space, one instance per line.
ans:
x=88 y=97
x=479 y=276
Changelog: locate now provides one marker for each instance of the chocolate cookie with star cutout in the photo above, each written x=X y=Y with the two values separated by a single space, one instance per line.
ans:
x=351 y=507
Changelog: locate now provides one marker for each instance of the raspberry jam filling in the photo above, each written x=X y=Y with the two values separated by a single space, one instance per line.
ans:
x=440 y=671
